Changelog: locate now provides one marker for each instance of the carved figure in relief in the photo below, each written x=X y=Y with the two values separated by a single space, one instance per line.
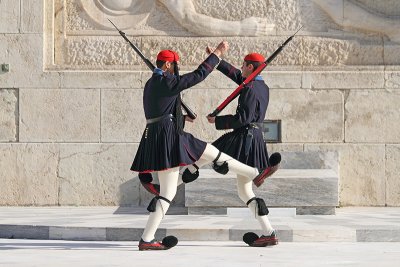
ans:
x=358 y=17
x=133 y=13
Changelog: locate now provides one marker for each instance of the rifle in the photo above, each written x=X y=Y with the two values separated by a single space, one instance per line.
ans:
x=189 y=111
x=260 y=68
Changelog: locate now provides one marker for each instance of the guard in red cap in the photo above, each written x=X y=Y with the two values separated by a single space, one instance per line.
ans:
x=245 y=143
x=165 y=147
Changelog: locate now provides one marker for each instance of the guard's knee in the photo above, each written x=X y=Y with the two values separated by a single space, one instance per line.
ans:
x=261 y=206
x=223 y=168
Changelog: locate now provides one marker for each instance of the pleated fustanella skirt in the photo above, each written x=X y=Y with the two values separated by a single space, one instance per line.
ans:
x=234 y=145
x=162 y=148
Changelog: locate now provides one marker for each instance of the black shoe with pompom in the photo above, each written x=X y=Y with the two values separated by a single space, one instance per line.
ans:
x=167 y=243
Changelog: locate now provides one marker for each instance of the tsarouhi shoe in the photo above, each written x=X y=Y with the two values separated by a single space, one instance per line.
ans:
x=167 y=243
x=274 y=161
x=253 y=240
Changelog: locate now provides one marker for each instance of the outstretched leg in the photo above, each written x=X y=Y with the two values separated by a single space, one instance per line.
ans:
x=212 y=154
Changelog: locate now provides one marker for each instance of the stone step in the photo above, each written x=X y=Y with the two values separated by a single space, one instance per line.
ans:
x=310 y=191
x=355 y=224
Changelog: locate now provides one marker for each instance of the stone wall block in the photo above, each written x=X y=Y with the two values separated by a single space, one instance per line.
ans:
x=360 y=171
x=352 y=78
x=122 y=118
x=392 y=175
x=28 y=174
x=391 y=53
x=106 y=80
x=301 y=110
x=10 y=18
x=8 y=115
x=98 y=174
x=24 y=54
x=372 y=116
x=59 y=115
x=32 y=16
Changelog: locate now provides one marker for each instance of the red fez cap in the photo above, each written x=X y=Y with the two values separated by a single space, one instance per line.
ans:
x=168 y=55
x=254 y=57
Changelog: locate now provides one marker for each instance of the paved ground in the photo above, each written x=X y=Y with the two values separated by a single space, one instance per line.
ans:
x=51 y=253
x=121 y=224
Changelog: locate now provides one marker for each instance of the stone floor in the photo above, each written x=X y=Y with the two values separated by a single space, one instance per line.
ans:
x=355 y=224
x=60 y=253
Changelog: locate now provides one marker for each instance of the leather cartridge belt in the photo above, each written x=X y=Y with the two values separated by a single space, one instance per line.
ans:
x=157 y=119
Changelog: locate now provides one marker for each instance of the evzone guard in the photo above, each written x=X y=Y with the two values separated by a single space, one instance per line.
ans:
x=245 y=144
x=165 y=147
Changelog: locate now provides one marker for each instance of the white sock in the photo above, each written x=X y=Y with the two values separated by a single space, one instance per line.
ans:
x=168 y=185
x=246 y=193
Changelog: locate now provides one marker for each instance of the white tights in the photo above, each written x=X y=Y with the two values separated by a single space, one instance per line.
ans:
x=169 y=181
x=244 y=183
x=168 y=184
x=245 y=191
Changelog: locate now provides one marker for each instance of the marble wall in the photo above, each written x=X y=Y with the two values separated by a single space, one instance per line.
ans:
x=70 y=105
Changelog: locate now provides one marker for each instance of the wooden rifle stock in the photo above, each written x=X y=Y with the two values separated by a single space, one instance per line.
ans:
x=188 y=111
x=251 y=77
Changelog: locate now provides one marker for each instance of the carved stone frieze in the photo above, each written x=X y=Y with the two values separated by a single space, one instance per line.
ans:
x=83 y=39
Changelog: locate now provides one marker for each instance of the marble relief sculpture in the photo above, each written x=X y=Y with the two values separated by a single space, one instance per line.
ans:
x=133 y=13
x=349 y=14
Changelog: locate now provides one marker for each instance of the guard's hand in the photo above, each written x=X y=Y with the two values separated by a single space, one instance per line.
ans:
x=187 y=118
x=221 y=48
x=209 y=50
x=210 y=119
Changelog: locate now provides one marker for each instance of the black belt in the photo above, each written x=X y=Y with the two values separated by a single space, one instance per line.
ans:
x=157 y=119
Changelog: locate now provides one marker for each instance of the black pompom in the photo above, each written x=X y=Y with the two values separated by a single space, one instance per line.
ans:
x=170 y=241
x=250 y=237
x=222 y=169
x=145 y=177
x=188 y=177
x=275 y=159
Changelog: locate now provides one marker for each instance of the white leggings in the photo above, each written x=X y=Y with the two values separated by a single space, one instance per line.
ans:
x=169 y=181
x=244 y=182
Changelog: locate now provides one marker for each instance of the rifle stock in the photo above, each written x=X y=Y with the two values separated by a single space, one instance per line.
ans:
x=260 y=68
x=150 y=65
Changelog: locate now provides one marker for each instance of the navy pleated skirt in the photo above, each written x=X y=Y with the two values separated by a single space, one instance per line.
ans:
x=161 y=148
x=233 y=144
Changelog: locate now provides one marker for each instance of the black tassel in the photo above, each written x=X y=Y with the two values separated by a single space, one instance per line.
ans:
x=152 y=206
x=179 y=115
x=180 y=119
x=262 y=208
